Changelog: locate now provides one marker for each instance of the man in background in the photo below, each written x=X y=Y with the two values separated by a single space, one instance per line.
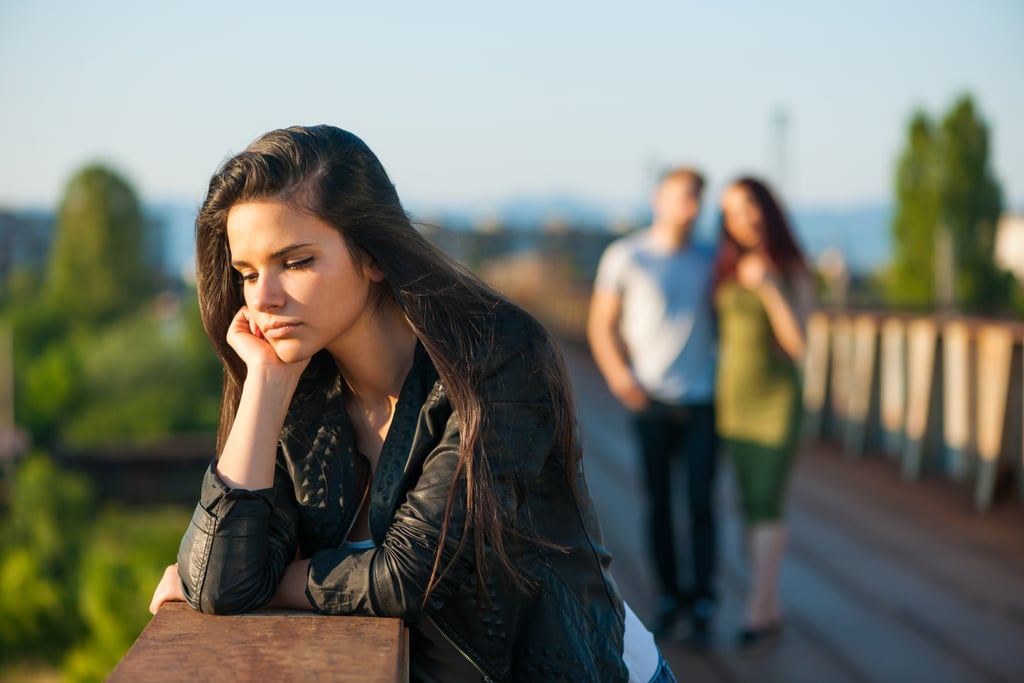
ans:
x=651 y=331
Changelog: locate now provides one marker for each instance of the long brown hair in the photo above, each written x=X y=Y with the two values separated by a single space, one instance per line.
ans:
x=780 y=244
x=333 y=175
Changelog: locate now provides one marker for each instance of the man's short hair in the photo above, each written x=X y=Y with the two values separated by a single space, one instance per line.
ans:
x=685 y=173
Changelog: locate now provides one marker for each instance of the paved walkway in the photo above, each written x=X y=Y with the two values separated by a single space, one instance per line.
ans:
x=885 y=581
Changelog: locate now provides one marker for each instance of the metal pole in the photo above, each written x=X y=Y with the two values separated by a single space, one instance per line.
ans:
x=12 y=440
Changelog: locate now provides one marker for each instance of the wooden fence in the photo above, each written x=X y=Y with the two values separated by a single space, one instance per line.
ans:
x=935 y=393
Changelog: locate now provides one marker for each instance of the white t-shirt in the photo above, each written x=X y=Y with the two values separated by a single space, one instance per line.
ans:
x=667 y=321
x=639 y=651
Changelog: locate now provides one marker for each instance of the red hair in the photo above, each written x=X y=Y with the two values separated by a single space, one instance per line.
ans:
x=780 y=244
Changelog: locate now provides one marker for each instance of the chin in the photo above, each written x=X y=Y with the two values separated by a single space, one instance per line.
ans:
x=290 y=351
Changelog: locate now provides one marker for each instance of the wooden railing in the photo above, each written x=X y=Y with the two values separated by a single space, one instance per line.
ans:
x=180 y=644
x=936 y=393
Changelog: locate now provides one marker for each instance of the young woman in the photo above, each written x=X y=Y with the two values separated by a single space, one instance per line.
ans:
x=396 y=439
x=764 y=292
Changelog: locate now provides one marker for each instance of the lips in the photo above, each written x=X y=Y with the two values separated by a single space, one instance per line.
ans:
x=279 y=330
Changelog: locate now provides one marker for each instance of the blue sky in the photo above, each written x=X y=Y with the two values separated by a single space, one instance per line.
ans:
x=468 y=104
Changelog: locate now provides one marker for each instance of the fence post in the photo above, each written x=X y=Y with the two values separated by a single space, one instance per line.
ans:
x=922 y=339
x=816 y=375
x=893 y=385
x=994 y=356
x=863 y=385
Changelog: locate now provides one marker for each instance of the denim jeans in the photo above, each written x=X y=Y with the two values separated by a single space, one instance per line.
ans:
x=664 y=673
x=671 y=435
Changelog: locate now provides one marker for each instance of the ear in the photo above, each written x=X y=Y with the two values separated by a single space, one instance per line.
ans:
x=374 y=271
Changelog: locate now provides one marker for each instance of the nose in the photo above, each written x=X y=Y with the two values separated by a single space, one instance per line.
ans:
x=265 y=294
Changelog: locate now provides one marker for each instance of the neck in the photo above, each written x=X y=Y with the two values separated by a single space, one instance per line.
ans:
x=671 y=237
x=375 y=361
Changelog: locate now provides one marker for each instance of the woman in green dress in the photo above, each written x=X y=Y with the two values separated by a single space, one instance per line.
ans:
x=764 y=292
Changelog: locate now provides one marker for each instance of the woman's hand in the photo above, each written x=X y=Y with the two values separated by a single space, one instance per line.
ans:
x=629 y=392
x=752 y=270
x=169 y=589
x=248 y=341
x=246 y=338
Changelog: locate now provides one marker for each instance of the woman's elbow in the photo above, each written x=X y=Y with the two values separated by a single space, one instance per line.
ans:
x=218 y=600
x=213 y=594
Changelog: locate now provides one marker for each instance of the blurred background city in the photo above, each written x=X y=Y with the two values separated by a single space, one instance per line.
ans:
x=523 y=140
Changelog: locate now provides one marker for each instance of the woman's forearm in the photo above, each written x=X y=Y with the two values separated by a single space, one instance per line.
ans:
x=785 y=320
x=291 y=592
x=247 y=461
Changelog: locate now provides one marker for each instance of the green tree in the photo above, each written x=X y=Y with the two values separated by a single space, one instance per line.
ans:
x=97 y=269
x=946 y=190
x=127 y=550
x=912 y=281
x=971 y=203
x=41 y=543
x=143 y=378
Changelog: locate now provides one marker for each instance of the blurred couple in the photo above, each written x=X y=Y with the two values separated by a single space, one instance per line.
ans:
x=702 y=345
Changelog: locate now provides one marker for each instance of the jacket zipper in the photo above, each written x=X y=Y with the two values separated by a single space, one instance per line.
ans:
x=487 y=679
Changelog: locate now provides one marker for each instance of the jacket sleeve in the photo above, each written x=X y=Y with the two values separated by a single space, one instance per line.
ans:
x=390 y=580
x=237 y=545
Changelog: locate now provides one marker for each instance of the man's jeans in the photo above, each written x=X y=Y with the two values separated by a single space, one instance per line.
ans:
x=670 y=434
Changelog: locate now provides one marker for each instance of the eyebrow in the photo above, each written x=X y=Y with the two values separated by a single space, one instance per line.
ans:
x=277 y=254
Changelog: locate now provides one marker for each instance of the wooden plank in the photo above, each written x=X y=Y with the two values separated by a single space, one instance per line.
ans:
x=994 y=358
x=941 y=540
x=841 y=377
x=180 y=644
x=816 y=375
x=863 y=385
x=798 y=655
x=922 y=334
x=898 y=593
x=957 y=398
x=893 y=385
x=859 y=641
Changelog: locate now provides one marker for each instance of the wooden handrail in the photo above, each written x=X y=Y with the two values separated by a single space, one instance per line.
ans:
x=180 y=644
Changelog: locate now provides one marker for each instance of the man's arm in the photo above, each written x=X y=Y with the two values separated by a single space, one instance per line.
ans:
x=609 y=349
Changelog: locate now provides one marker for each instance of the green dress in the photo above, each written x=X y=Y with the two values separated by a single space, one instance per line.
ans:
x=758 y=401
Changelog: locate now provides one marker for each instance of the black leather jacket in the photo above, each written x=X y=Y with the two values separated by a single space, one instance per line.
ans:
x=239 y=542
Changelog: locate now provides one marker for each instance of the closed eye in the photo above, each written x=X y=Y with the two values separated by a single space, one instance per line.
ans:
x=300 y=264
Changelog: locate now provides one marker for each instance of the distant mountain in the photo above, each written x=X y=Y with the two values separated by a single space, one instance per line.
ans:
x=176 y=223
x=860 y=233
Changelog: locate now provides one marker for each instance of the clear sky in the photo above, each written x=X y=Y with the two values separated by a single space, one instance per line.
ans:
x=470 y=103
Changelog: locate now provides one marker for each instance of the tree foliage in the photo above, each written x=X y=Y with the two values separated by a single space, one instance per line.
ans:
x=40 y=549
x=971 y=203
x=912 y=282
x=76 y=577
x=137 y=379
x=946 y=189
x=97 y=268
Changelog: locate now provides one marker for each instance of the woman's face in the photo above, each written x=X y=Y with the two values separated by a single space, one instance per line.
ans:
x=743 y=219
x=301 y=283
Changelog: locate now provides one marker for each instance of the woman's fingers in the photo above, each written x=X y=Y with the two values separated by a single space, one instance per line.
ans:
x=169 y=589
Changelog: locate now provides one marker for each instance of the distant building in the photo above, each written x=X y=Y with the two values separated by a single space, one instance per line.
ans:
x=1010 y=244
x=25 y=238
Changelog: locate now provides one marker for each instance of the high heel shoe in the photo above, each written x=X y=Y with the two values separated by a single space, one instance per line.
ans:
x=750 y=637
